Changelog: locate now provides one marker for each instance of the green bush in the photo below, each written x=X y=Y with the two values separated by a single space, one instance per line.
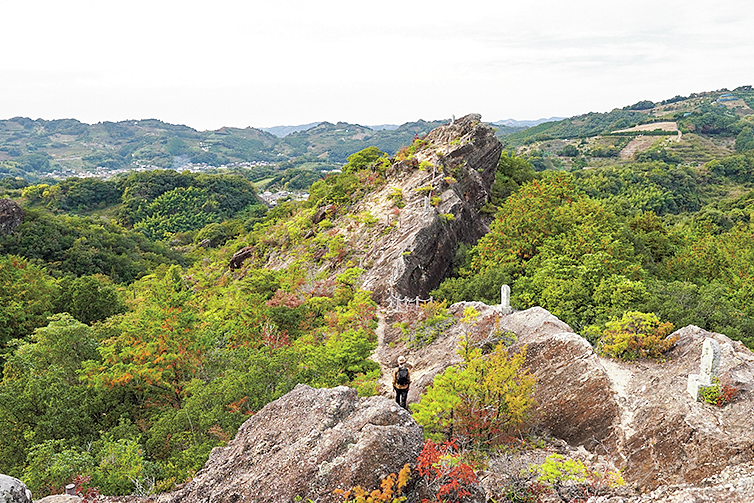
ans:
x=636 y=335
x=482 y=401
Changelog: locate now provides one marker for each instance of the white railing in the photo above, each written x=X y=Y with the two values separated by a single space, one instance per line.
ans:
x=399 y=302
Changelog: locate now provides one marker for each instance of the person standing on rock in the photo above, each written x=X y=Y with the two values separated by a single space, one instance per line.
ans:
x=401 y=382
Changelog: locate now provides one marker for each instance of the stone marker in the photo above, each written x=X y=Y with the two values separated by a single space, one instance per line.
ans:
x=505 y=299
x=710 y=367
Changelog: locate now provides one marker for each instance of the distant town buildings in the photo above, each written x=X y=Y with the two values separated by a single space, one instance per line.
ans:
x=106 y=173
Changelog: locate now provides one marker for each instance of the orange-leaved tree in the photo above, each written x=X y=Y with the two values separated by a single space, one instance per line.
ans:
x=157 y=349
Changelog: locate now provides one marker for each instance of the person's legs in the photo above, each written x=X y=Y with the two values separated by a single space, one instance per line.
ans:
x=400 y=396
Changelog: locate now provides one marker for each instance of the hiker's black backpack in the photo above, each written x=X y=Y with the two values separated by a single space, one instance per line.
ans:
x=402 y=376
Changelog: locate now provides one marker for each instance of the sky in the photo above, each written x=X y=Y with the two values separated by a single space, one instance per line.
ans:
x=264 y=63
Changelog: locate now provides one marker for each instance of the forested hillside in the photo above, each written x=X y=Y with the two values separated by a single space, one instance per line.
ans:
x=130 y=349
x=33 y=148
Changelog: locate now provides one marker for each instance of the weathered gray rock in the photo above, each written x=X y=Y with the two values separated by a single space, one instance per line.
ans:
x=733 y=484
x=60 y=498
x=308 y=443
x=238 y=258
x=637 y=414
x=415 y=257
x=13 y=490
x=11 y=216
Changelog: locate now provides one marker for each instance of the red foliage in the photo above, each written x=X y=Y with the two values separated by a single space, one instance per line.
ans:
x=273 y=337
x=283 y=298
x=727 y=391
x=323 y=288
x=87 y=493
x=441 y=469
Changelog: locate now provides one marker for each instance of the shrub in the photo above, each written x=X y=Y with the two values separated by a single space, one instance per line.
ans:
x=391 y=488
x=396 y=196
x=51 y=465
x=407 y=153
x=443 y=470
x=636 y=335
x=720 y=393
x=422 y=326
x=571 y=479
x=482 y=401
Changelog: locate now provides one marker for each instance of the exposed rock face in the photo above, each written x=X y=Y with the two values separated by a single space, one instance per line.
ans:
x=13 y=490
x=240 y=256
x=735 y=484
x=415 y=257
x=11 y=216
x=60 y=498
x=638 y=414
x=308 y=443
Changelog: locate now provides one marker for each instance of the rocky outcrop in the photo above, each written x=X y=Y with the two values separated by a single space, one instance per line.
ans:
x=457 y=167
x=405 y=229
x=637 y=414
x=734 y=484
x=60 y=498
x=307 y=444
x=11 y=216
x=238 y=258
x=13 y=490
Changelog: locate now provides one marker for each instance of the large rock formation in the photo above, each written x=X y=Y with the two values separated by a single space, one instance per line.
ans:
x=405 y=232
x=637 y=414
x=13 y=490
x=11 y=216
x=307 y=443
x=460 y=161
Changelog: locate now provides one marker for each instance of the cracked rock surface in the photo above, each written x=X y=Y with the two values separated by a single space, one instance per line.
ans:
x=307 y=444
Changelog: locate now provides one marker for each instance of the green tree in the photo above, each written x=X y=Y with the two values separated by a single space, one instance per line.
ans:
x=41 y=397
x=157 y=349
x=512 y=172
x=364 y=159
x=482 y=401
x=26 y=298
x=745 y=139
x=89 y=298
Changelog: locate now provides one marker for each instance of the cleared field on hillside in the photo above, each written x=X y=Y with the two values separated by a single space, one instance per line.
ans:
x=662 y=126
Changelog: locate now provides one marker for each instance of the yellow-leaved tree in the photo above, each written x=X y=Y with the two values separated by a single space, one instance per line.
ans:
x=483 y=401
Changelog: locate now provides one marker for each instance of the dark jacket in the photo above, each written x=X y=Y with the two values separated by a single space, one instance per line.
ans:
x=395 y=379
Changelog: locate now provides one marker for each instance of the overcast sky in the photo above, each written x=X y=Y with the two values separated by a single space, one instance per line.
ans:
x=282 y=62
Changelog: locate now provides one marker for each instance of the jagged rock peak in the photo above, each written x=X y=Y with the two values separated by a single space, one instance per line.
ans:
x=307 y=444
x=11 y=216
x=444 y=185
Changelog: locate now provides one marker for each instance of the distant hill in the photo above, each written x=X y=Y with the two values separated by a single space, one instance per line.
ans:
x=690 y=129
x=526 y=124
x=62 y=148
x=707 y=112
x=281 y=131
x=380 y=127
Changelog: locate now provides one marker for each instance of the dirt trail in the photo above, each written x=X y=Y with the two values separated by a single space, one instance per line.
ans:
x=385 y=381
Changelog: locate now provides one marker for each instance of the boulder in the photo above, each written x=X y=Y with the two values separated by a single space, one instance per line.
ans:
x=307 y=444
x=13 y=490
x=60 y=498
x=238 y=258
x=638 y=414
x=11 y=216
